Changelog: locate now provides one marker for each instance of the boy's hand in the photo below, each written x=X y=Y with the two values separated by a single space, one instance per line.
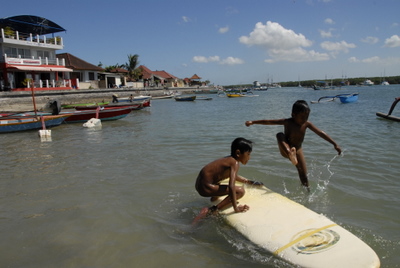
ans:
x=248 y=123
x=337 y=148
x=257 y=183
x=243 y=208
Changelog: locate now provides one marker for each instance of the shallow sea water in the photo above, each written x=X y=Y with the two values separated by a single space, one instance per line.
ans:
x=123 y=196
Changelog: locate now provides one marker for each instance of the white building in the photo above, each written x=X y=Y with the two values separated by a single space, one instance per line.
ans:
x=28 y=55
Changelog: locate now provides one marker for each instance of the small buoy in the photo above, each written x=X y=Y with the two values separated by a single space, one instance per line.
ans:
x=93 y=122
x=45 y=134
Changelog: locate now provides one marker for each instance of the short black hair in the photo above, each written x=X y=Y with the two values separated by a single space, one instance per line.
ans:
x=241 y=144
x=300 y=106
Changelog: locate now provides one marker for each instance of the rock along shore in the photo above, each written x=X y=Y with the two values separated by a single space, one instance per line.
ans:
x=22 y=100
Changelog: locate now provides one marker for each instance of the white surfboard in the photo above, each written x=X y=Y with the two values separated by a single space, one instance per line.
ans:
x=297 y=234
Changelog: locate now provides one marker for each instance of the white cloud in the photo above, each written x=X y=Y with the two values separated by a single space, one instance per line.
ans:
x=375 y=59
x=337 y=47
x=231 y=61
x=370 y=40
x=329 y=21
x=325 y=34
x=185 y=19
x=202 y=59
x=227 y=61
x=281 y=44
x=353 y=59
x=223 y=29
x=393 y=41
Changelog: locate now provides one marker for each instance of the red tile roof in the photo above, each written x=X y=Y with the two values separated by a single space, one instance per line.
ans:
x=147 y=73
x=76 y=63
x=119 y=70
x=195 y=76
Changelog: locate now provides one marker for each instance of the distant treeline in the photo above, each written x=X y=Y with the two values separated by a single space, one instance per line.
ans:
x=335 y=82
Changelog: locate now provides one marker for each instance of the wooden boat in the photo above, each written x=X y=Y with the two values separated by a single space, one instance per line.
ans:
x=344 y=98
x=104 y=115
x=185 y=98
x=72 y=106
x=203 y=98
x=235 y=95
x=389 y=114
x=348 y=98
x=15 y=123
x=139 y=98
x=133 y=106
x=325 y=99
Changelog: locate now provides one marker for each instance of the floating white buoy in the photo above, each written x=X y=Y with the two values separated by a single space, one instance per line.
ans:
x=44 y=134
x=93 y=122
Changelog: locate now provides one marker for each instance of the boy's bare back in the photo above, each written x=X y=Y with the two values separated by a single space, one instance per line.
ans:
x=217 y=170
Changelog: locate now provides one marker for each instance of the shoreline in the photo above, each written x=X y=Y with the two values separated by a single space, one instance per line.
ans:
x=20 y=101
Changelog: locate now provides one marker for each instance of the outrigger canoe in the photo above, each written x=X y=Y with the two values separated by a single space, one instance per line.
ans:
x=389 y=114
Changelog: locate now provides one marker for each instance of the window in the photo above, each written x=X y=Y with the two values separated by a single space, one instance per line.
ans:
x=11 y=52
x=24 y=53
x=43 y=54
x=91 y=76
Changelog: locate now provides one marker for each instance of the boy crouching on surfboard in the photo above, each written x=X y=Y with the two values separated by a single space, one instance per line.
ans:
x=290 y=142
x=207 y=183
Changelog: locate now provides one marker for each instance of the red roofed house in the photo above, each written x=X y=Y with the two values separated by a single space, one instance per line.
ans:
x=159 y=78
x=84 y=75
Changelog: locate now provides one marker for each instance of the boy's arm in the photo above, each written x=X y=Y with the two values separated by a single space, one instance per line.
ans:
x=232 y=180
x=246 y=181
x=265 y=122
x=325 y=136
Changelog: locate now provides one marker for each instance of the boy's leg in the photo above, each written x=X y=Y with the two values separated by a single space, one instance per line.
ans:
x=222 y=190
x=285 y=149
x=302 y=168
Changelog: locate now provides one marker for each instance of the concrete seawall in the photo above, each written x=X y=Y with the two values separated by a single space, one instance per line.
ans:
x=22 y=100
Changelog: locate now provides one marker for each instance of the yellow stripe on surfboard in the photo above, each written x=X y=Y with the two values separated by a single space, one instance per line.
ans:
x=302 y=237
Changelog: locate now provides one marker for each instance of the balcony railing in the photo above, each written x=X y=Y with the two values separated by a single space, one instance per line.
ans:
x=30 y=39
x=50 y=83
x=18 y=59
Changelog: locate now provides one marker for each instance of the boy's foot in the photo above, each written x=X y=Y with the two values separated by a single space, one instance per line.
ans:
x=292 y=156
x=204 y=213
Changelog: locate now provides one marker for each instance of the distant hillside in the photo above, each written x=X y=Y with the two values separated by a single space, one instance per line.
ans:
x=336 y=82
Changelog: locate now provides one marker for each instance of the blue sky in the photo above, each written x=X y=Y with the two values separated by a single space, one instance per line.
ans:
x=231 y=42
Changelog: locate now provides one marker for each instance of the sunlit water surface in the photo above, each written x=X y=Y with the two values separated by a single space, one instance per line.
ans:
x=123 y=196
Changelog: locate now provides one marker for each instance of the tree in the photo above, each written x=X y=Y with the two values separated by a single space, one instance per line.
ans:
x=112 y=67
x=134 y=72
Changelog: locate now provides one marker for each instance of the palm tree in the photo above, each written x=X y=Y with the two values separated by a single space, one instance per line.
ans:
x=132 y=66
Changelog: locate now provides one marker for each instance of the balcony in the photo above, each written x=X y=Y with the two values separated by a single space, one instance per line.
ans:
x=18 y=59
x=27 y=39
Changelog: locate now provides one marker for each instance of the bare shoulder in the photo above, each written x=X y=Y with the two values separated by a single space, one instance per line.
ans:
x=221 y=162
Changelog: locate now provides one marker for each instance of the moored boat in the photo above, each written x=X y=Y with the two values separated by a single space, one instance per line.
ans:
x=73 y=105
x=111 y=106
x=185 y=98
x=348 y=98
x=132 y=98
x=389 y=114
x=368 y=82
x=16 y=123
x=103 y=115
x=235 y=95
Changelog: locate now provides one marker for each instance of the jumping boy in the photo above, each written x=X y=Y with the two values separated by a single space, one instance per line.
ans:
x=207 y=183
x=291 y=140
